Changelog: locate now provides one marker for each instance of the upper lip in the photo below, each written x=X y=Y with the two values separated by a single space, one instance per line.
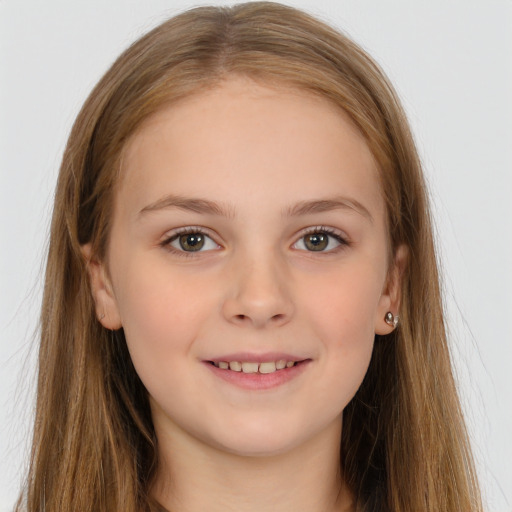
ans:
x=257 y=358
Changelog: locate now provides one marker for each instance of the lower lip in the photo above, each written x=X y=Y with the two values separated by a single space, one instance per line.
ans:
x=259 y=381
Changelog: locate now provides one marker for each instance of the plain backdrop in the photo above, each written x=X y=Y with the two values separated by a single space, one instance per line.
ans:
x=452 y=66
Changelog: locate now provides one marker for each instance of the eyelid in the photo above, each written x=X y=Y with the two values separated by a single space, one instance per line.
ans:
x=171 y=236
x=338 y=235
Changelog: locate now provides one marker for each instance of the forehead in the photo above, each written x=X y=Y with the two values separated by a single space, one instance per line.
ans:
x=242 y=135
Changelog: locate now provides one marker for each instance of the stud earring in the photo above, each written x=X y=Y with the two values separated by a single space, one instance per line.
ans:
x=391 y=319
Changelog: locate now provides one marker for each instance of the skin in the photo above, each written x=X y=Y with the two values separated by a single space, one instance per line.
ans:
x=259 y=153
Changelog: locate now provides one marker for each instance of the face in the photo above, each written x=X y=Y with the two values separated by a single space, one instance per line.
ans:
x=248 y=266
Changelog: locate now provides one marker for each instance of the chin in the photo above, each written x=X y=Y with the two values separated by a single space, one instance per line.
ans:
x=263 y=440
x=257 y=448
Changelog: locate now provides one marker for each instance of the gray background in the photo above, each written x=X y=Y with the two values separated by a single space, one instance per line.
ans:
x=451 y=63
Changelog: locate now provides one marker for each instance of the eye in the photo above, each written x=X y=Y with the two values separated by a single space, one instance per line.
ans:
x=320 y=240
x=190 y=241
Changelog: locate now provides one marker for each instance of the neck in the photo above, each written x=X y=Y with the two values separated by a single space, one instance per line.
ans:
x=194 y=477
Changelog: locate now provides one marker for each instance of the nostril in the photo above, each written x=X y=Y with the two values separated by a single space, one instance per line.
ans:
x=275 y=319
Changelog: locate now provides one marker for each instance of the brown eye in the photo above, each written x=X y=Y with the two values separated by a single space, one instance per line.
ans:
x=320 y=240
x=191 y=242
x=316 y=241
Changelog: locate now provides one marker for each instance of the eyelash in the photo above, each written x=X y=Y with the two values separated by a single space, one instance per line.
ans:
x=343 y=242
x=192 y=230
x=189 y=230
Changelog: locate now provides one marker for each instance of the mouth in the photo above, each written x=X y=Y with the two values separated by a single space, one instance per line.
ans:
x=264 y=367
x=254 y=372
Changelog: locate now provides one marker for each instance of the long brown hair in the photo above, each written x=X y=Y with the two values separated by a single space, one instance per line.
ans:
x=404 y=444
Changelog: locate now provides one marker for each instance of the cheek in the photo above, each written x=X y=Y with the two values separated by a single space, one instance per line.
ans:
x=161 y=317
x=345 y=304
x=342 y=314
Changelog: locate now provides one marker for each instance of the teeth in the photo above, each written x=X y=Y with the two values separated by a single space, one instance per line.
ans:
x=268 y=367
x=249 y=367
x=235 y=366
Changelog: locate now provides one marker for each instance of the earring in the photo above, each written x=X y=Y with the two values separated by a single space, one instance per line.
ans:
x=391 y=319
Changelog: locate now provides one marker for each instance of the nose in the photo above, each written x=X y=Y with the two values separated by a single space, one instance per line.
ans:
x=259 y=294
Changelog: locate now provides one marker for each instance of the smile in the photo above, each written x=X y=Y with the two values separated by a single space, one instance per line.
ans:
x=253 y=367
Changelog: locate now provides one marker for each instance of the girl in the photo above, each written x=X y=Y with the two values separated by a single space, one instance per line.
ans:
x=242 y=306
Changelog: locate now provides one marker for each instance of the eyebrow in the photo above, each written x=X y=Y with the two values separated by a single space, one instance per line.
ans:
x=325 y=205
x=205 y=206
x=196 y=205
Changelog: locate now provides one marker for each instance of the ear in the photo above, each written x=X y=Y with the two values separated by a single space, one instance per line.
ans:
x=391 y=295
x=106 y=304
